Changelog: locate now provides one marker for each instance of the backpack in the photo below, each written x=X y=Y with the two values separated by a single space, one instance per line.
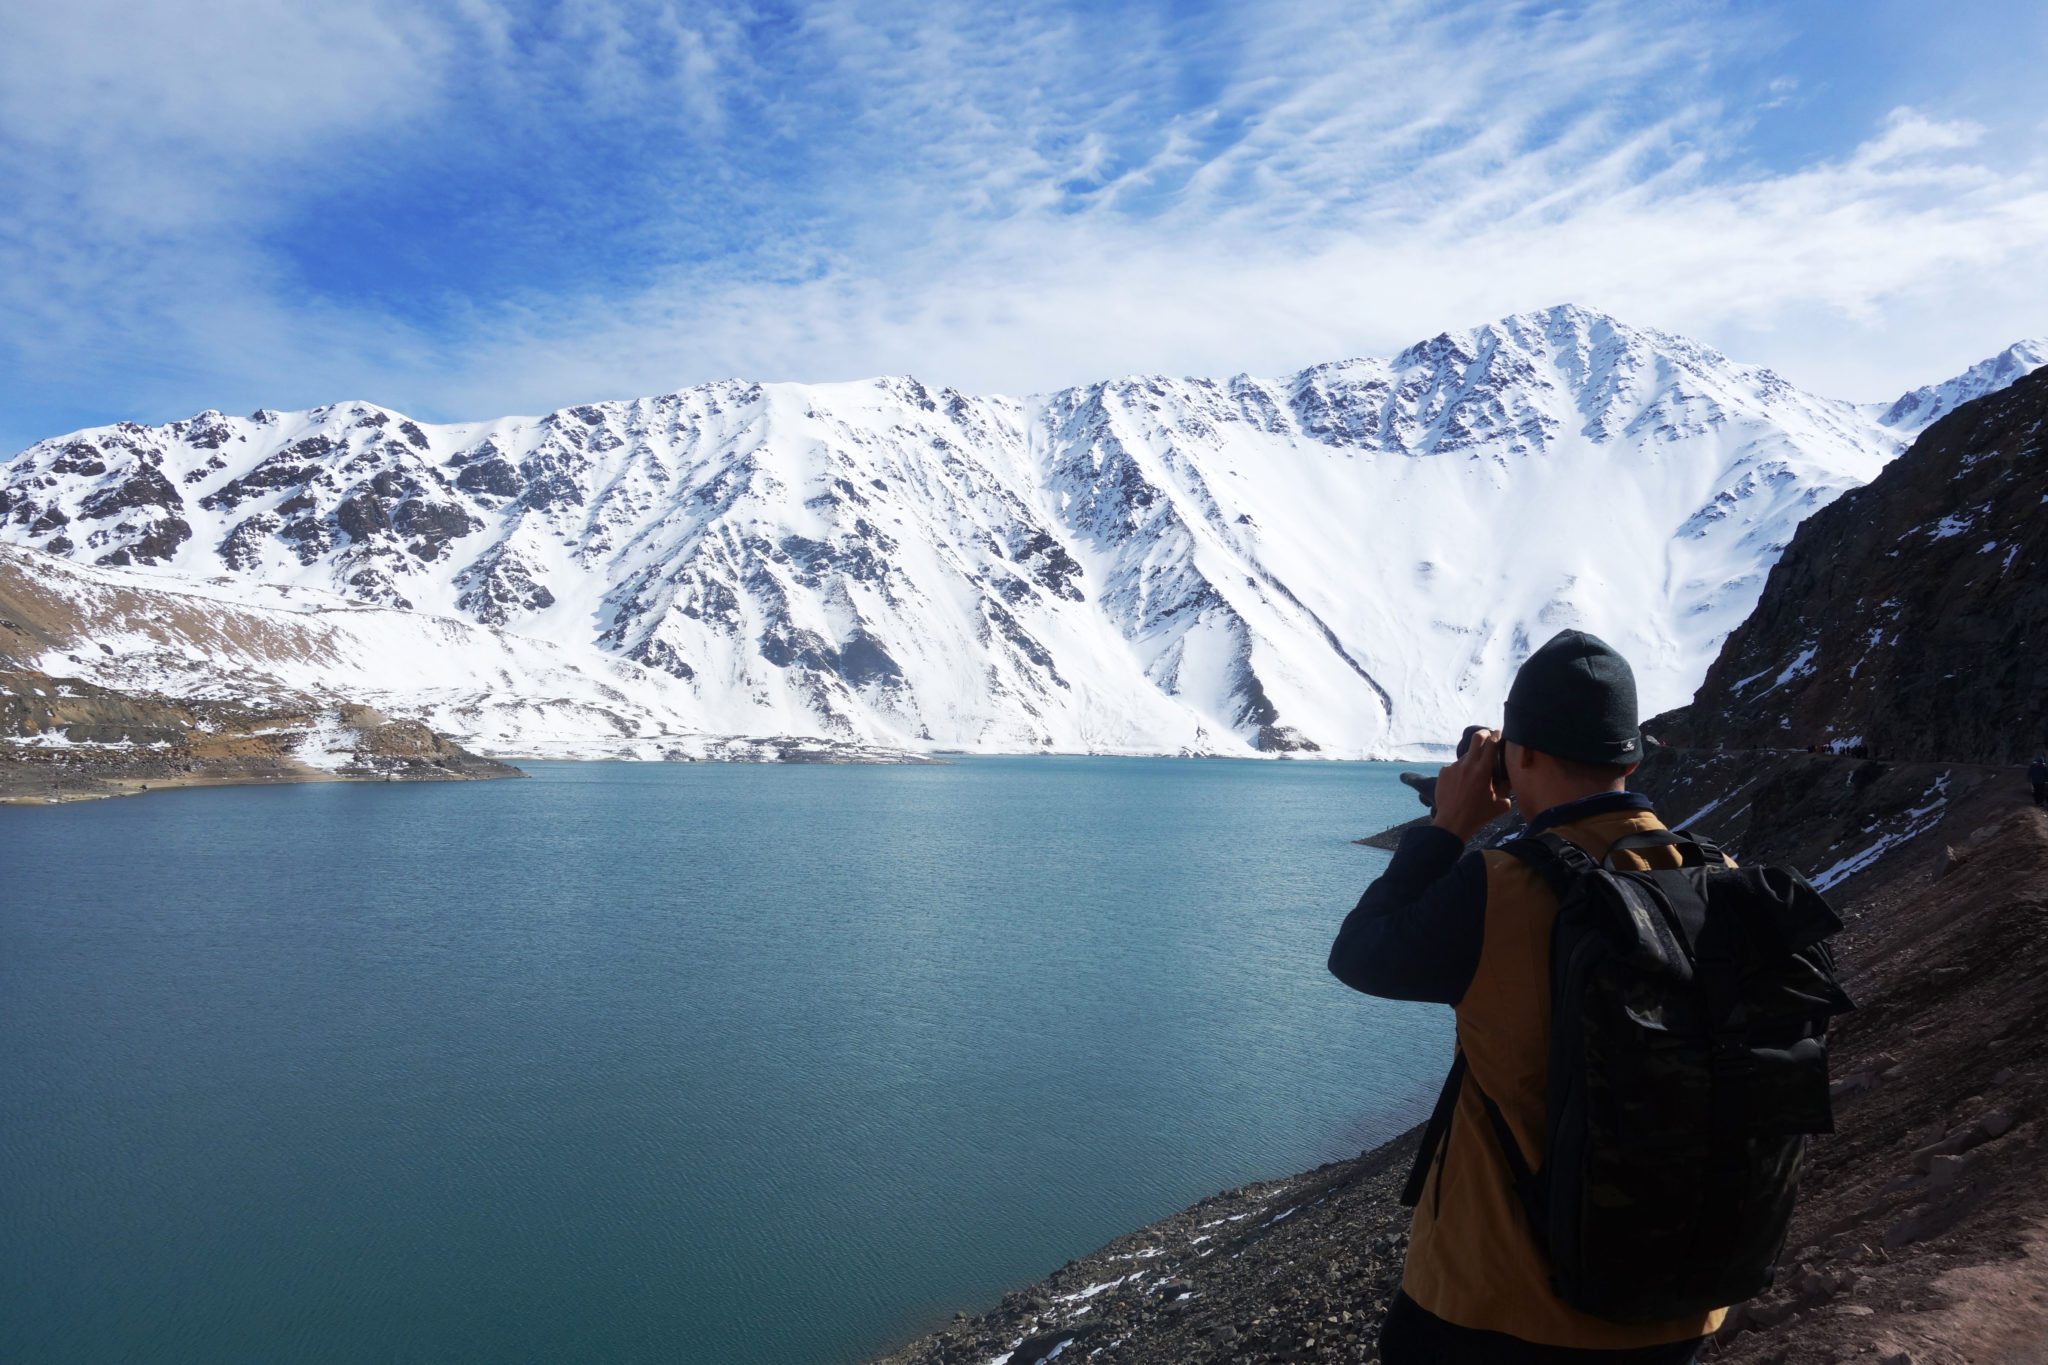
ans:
x=1688 y=1065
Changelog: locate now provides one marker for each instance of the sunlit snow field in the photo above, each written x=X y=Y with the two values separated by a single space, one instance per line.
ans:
x=661 y=1062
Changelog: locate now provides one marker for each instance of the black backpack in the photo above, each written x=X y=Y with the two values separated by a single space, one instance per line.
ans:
x=1688 y=1064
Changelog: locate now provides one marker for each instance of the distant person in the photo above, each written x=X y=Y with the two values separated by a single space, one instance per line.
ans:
x=1471 y=930
x=2037 y=773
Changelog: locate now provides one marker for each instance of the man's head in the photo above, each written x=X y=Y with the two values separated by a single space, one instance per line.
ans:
x=1570 y=728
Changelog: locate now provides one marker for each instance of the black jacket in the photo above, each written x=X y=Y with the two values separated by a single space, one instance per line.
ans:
x=1415 y=933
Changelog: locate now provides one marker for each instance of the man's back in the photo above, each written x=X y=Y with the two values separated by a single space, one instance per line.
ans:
x=1472 y=1259
x=1473 y=931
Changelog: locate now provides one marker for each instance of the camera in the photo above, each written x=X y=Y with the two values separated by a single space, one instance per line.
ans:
x=1425 y=785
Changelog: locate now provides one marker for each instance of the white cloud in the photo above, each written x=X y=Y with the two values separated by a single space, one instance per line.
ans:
x=148 y=113
x=1005 y=199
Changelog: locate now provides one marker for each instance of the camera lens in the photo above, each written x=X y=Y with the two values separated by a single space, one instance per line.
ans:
x=1465 y=740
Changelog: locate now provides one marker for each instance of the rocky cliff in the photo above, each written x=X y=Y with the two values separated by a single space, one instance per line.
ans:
x=1910 y=617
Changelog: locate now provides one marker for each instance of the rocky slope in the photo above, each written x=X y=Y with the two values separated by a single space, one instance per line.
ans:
x=64 y=739
x=1293 y=1269
x=1922 y=1230
x=1911 y=616
x=1335 y=561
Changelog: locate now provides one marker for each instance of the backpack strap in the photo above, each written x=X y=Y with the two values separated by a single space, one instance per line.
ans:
x=1692 y=852
x=1710 y=852
x=1718 y=968
x=1556 y=859
x=1529 y=1187
x=1435 y=1135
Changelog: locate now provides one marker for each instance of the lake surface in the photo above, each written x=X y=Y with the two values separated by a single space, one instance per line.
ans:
x=639 y=1062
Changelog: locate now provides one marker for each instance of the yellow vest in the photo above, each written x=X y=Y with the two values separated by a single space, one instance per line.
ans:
x=1472 y=1260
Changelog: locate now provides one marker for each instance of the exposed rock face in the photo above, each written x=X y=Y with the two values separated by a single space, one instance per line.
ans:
x=1833 y=816
x=1911 y=616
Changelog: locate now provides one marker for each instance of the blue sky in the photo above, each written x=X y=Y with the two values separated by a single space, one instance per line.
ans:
x=471 y=208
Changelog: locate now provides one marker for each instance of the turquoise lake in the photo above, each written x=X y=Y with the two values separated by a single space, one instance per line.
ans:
x=661 y=1062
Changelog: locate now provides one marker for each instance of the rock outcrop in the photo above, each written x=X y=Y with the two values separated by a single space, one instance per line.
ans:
x=1909 y=618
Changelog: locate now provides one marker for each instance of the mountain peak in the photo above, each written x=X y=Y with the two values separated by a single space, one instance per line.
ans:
x=1917 y=409
x=1558 y=327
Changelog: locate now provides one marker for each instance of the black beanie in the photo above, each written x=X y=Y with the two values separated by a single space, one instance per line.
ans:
x=1575 y=698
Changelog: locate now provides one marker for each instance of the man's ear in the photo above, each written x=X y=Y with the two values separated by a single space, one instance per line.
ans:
x=1521 y=756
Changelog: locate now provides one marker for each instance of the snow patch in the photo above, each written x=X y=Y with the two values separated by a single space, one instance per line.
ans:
x=327 y=744
x=1950 y=525
x=1082 y=1295
x=1918 y=821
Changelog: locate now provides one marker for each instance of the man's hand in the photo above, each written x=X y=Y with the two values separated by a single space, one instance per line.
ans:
x=1465 y=798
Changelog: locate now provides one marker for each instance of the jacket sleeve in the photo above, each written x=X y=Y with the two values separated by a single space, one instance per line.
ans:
x=1415 y=933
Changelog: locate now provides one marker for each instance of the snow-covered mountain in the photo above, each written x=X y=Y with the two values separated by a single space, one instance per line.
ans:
x=1350 y=560
x=281 y=648
x=1921 y=408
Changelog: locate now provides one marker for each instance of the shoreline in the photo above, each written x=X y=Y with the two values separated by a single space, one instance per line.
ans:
x=1201 y=1283
x=881 y=756
x=116 y=788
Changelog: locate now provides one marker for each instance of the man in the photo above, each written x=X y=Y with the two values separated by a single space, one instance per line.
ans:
x=2038 y=775
x=1472 y=930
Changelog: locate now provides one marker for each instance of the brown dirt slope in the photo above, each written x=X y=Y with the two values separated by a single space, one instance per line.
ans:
x=1923 y=1222
x=64 y=739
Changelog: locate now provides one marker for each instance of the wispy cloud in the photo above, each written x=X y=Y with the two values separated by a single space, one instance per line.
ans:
x=499 y=208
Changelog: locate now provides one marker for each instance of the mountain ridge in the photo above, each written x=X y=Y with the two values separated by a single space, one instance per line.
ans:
x=1337 y=561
